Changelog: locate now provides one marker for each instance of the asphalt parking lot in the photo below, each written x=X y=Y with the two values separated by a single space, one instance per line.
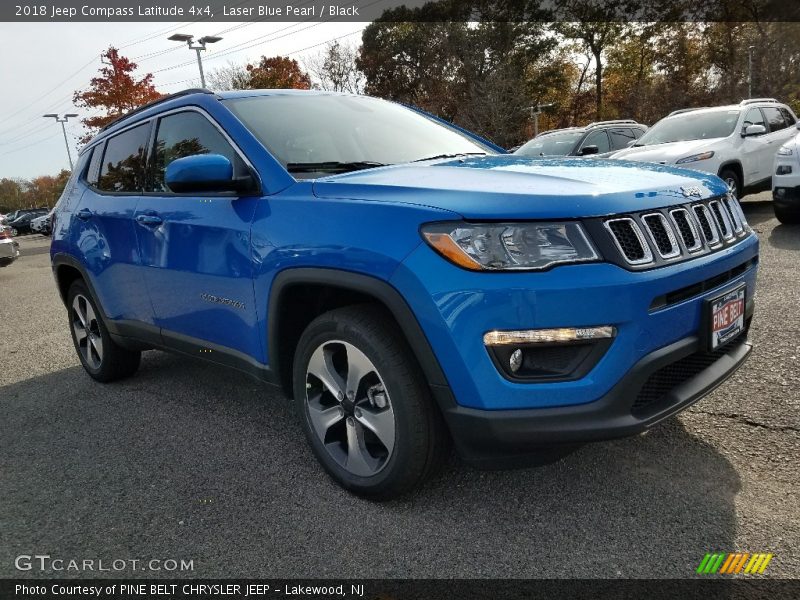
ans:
x=190 y=461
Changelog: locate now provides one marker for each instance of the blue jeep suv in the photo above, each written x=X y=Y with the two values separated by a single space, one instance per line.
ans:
x=410 y=285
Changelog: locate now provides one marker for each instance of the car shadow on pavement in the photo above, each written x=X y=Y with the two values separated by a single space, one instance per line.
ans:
x=190 y=461
x=785 y=237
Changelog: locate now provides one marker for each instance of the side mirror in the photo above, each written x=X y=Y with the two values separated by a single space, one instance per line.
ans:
x=586 y=150
x=751 y=130
x=205 y=173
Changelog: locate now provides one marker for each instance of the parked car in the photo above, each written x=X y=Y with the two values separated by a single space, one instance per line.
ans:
x=737 y=142
x=42 y=224
x=9 y=248
x=598 y=139
x=786 y=181
x=405 y=294
x=22 y=224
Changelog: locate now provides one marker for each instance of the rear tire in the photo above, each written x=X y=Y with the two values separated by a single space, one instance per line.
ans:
x=101 y=357
x=731 y=178
x=364 y=404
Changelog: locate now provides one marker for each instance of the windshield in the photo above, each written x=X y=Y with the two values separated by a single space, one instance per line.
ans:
x=691 y=126
x=551 y=144
x=313 y=134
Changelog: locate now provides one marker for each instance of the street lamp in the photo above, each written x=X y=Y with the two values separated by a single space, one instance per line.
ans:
x=200 y=45
x=536 y=110
x=63 y=120
x=750 y=71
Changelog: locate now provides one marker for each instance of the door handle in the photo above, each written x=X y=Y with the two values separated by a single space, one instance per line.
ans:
x=84 y=214
x=149 y=220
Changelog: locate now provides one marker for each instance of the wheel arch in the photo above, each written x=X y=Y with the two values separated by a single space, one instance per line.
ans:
x=66 y=270
x=736 y=167
x=289 y=313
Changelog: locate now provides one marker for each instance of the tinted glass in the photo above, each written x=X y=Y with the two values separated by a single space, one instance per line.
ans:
x=599 y=139
x=774 y=118
x=320 y=128
x=125 y=161
x=551 y=144
x=787 y=116
x=93 y=172
x=638 y=132
x=184 y=134
x=620 y=138
x=692 y=126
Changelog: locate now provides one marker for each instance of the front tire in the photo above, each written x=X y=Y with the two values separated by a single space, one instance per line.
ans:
x=787 y=216
x=101 y=357
x=731 y=178
x=364 y=404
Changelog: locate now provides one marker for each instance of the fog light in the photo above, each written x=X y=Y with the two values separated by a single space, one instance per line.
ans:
x=515 y=361
x=784 y=170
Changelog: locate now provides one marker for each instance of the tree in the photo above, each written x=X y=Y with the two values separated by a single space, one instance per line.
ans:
x=115 y=92
x=335 y=69
x=277 y=72
x=596 y=25
x=233 y=76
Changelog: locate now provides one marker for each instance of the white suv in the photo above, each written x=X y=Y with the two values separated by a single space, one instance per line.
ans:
x=737 y=142
x=786 y=181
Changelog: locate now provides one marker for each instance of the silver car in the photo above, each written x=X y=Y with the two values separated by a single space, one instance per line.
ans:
x=9 y=248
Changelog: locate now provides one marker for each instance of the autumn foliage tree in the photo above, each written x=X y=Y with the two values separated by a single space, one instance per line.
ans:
x=114 y=92
x=277 y=72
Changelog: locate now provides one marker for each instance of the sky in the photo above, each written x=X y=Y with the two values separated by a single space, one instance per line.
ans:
x=42 y=64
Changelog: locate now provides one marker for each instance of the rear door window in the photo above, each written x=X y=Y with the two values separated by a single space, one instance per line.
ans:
x=774 y=118
x=124 y=166
x=620 y=137
x=787 y=116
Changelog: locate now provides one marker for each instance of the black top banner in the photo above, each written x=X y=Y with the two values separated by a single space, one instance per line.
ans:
x=398 y=10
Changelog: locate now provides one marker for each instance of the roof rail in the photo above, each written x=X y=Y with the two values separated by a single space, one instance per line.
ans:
x=755 y=100
x=680 y=111
x=144 y=107
x=612 y=122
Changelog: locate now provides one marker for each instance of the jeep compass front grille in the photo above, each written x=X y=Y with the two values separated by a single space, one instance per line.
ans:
x=653 y=238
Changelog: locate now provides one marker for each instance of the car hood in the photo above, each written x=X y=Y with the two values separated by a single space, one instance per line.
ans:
x=514 y=187
x=667 y=153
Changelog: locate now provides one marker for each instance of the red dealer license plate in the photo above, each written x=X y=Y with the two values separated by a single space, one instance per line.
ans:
x=727 y=316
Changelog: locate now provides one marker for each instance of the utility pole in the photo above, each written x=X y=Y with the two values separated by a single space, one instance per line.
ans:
x=536 y=110
x=200 y=45
x=63 y=120
x=750 y=71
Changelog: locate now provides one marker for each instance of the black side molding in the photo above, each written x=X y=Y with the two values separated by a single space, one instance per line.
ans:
x=378 y=289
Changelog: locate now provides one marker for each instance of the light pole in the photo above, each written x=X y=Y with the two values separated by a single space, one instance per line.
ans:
x=536 y=110
x=63 y=120
x=201 y=45
x=750 y=71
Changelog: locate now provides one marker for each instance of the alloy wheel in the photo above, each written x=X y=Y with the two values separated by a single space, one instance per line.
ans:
x=349 y=409
x=87 y=331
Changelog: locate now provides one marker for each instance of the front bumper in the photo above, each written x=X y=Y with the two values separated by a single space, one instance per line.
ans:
x=9 y=251
x=660 y=385
x=787 y=197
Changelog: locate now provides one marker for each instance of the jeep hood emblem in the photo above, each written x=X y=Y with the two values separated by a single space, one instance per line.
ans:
x=690 y=192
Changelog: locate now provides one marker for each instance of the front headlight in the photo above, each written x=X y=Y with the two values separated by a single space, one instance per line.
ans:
x=784 y=151
x=695 y=158
x=510 y=246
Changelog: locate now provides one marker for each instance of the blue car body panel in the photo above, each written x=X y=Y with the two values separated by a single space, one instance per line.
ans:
x=206 y=271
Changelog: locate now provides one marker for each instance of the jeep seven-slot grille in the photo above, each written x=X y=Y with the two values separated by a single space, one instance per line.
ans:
x=658 y=236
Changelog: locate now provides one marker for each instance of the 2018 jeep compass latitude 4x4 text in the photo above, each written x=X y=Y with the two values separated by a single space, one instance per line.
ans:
x=407 y=283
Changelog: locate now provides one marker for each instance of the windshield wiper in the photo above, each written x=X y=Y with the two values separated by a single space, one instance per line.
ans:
x=331 y=165
x=457 y=155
